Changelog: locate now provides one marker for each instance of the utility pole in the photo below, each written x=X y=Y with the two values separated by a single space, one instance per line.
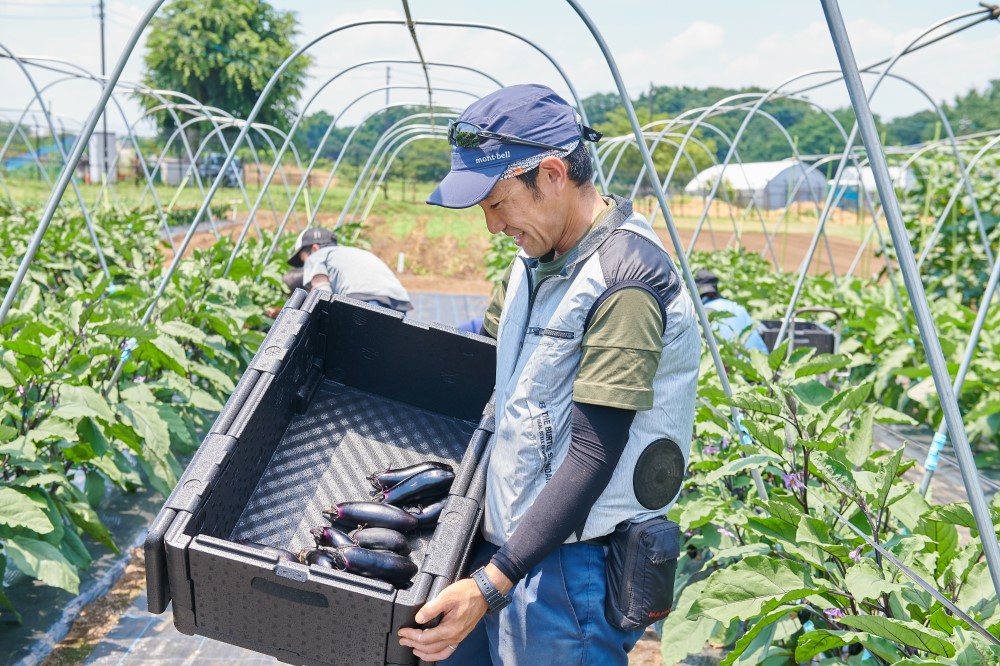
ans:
x=104 y=140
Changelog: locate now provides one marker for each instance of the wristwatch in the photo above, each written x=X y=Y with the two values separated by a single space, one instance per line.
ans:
x=494 y=599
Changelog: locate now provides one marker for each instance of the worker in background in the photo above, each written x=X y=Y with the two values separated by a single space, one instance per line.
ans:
x=348 y=271
x=738 y=326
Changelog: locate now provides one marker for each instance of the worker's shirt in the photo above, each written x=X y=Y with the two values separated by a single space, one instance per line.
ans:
x=357 y=273
x=737 y=326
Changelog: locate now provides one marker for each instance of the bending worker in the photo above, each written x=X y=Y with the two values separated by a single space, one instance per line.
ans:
x=349 y=271
x=735 y=322
x=597 y=368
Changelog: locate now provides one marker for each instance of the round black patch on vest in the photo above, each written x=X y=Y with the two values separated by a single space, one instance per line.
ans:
x=658 y=474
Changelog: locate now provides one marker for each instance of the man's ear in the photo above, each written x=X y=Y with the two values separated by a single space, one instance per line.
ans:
x=553 y=174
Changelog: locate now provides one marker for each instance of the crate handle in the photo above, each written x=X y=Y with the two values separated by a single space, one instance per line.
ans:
x=292 y=594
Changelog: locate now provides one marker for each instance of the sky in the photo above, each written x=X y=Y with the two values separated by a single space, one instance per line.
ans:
x=729 y=43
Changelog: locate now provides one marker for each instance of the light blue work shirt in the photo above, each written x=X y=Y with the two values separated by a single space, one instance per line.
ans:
x=735 y=326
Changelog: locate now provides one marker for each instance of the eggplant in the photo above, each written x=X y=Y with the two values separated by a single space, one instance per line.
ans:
x=278 y=553
x=427 y=515
x=391 y=477
x=371 y=514
x=381 y=538
x=319 y=557
x=382 y=564
x=431 y=483
x=331 y=536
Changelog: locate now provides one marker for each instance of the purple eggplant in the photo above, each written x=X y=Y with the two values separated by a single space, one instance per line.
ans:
x=270 y=551
x=371 y=514
x=391 y=477
x=427 y=515
x=381 y=538
x=319 y=557
x=430 y=484
x=383 y=564
x=330 y=536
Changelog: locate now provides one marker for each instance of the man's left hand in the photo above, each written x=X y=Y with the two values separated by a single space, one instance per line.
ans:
x=463 y=606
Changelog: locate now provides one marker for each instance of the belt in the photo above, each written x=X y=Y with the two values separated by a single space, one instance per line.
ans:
x=598 y=541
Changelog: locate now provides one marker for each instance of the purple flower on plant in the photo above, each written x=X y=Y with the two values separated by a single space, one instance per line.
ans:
x=20 y=390
x=833 y=613
x=139 y=380
x=725 y=442
x=724 y=532
x=856 y=553
x=793 y=481
x=710 y=450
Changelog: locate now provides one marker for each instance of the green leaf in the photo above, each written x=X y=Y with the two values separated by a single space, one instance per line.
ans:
x=861 y=437
x=777 y=356
x=24 y=348
x=43 y=561
x=18 y=510
x=886 y=476
x=815 y=531
x=221 y=380
x=93 y=487
x=812 y=392
x=35 y=480
x=903 y=632
x=820 y=364
x=865 y=580
x=183 y=330
x=84 y=517
x=81 y=401
x=75 y=550
x=754 y=402
x=824 y=640
x=846 y=401
x=732 y=467
x=751 y=587
x=750 y=637
x=944 y=541
x=682 y=637
x=765 y=435
x=759 y=362
x=836 y=474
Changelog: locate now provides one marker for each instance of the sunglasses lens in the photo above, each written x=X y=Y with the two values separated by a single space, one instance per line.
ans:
x=466 y=135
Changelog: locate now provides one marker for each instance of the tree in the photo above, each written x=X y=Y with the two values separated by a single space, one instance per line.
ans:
x=222 y=53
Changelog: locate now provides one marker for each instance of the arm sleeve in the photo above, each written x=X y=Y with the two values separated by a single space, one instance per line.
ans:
x=599 y=436
x=312 y=267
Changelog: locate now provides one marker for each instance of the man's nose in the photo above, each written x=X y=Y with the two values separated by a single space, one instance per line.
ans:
x=494 y=224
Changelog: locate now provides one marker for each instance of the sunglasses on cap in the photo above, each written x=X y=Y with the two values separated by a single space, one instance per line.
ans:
x=462 y=134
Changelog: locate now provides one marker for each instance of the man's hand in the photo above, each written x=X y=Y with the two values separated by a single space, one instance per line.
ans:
x=463 y=606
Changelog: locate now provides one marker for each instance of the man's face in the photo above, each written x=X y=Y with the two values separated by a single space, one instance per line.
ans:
x=512 y=209
x=304 y=254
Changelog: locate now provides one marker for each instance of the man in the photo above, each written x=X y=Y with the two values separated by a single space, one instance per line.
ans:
x=349 y=271
x=597 y=368
x=735 y=324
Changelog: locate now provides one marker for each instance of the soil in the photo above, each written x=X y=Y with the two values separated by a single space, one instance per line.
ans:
x=445 y=265
x=101 y=616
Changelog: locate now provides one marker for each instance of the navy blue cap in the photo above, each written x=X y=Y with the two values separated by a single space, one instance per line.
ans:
x=527 y=111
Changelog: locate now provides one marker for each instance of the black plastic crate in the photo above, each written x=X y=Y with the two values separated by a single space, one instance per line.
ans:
x=338 y=389
x=807 y=334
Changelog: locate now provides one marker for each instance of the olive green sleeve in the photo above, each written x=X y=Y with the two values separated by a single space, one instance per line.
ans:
x=621 y=352
x=491 y=321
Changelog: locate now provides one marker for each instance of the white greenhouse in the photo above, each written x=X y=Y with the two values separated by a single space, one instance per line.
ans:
x=769 y=185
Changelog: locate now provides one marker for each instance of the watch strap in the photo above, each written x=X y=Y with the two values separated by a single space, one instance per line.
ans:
x=494 y=598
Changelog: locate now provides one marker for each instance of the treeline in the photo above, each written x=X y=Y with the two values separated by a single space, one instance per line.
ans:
x=809 y=128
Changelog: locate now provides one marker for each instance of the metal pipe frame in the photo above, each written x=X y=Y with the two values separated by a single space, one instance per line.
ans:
x=915 y=289
x=333 y=172
x=436 y=133
x=62 y=153
x=301 y=115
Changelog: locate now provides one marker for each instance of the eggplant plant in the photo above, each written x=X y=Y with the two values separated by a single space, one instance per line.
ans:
x=67 y=431
x=788 y=578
